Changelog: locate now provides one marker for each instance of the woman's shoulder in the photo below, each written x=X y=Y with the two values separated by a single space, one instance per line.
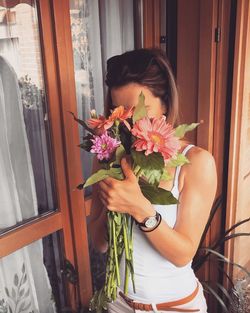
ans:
x=201 y=163
x=200 y=156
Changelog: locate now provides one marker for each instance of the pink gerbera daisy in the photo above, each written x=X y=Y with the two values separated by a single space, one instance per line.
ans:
x=104 y=146
x=155 y=135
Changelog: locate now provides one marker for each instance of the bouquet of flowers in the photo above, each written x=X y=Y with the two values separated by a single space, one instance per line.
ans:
x=153 y=145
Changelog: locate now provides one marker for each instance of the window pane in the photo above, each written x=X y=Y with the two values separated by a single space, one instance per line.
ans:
x=26 y=185
x=31 y=279
x=100 y=29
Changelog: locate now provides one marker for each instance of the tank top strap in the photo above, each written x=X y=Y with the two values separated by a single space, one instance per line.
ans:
x=178 y=168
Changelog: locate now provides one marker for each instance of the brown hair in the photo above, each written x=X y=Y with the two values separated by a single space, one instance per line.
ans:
x=149 y=68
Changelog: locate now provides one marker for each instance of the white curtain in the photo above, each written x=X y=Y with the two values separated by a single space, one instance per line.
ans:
x=24 y=283
x=100 y=29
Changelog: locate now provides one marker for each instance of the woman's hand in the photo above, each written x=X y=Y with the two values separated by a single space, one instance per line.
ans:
x=125 y=196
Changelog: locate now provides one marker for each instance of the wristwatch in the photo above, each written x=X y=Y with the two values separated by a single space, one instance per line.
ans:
x=150 y=222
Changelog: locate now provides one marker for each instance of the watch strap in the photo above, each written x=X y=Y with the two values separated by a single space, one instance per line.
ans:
x=145 y=230
x=157 y=216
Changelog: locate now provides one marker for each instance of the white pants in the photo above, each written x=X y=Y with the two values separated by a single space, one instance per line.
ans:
x=120 y=306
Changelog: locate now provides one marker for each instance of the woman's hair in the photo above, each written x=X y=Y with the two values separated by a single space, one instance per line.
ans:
x=149 y=68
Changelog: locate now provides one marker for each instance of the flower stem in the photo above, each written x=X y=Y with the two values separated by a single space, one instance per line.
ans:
x=127 y=254
x=115 y=253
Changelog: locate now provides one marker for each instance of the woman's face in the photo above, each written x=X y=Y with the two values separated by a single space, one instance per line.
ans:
x=127 y=96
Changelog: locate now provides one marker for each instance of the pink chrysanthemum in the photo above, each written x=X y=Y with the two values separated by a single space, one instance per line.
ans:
x=104 y=146
x=155 y=135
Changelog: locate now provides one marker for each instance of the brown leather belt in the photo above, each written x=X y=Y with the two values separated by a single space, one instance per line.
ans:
x=164 y=306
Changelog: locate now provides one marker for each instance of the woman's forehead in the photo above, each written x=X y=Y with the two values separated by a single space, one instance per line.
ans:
x=128 y=94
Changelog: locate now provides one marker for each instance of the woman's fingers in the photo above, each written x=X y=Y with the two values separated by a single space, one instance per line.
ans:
x=109 y=181
x=103 y=186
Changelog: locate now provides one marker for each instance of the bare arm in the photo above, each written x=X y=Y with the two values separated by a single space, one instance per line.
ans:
x=98 y=218
x=178 y=245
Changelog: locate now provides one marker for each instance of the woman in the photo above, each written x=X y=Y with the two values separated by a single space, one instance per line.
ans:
x=164 y=247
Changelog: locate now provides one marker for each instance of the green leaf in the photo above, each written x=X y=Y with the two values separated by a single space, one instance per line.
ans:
x=119 y=154
x=153 y=176
x=102 y=174
x=80 y=186
x=157 y=195
x=165 y=175
x=117 y=218
x=181 y=130
x=140 y=110
x=153 y=161
x=87 y=143
x=178 y=161
x=82 y=123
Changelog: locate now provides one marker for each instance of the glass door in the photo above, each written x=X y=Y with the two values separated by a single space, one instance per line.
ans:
x=41 y=264
x=99 y=30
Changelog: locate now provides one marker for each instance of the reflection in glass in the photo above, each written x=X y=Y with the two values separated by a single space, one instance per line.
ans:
x=26 y=186
x=30 y=278
x=100 y=29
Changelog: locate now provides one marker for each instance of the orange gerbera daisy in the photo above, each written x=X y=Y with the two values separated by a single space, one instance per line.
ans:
x=101 y=124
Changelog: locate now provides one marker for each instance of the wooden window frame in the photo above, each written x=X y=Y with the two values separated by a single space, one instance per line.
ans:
x=240 y=96
x=56 y=46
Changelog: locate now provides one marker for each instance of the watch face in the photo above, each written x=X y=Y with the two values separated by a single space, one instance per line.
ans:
x=151 y=222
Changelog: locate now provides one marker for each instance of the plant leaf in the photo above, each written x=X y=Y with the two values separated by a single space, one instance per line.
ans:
x=181 y=130
x=16 y=280
x=157 y=195
x=7 y=292
x=153 y=161
x=119 y=154
x=153 y=176
x=102 y=174
x=224 y=239
x=225 y=292
x=221 y=257
x=21 y=293
x=140 y=109
x=25 y=278
x=87 y=143
x=165 y=175
x=180 y=159
x=237 y=224
x=13 y=293
x=117 y=218
x=214 y=293
x=82 y=123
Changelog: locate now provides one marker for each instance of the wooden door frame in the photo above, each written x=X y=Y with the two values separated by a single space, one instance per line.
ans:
x=56 y=46
x=206 y=89
x=151 y=23
x=61 y=11
x=239 y=96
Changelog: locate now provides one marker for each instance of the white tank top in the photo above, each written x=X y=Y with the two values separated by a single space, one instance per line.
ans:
x=157 y=279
